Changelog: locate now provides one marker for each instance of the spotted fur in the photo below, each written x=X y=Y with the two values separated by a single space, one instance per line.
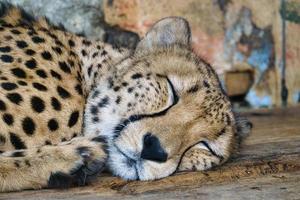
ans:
x=70 y=106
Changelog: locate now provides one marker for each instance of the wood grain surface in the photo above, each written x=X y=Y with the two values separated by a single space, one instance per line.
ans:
x=267 y=167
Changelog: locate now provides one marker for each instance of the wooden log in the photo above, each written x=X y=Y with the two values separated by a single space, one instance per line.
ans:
x=267 y=167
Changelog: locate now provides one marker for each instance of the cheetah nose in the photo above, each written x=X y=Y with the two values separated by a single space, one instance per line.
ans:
x=152 y=149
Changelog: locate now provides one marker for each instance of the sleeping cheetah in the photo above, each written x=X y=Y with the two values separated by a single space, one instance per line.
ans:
x=70 y=107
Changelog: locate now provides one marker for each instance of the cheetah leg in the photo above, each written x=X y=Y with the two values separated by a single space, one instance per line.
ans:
x=70 y=163
x=205 y=155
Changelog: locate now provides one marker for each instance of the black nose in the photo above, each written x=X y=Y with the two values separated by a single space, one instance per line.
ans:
x=152 y=149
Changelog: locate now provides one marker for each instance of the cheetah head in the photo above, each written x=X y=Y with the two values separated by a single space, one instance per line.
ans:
x=157 y=103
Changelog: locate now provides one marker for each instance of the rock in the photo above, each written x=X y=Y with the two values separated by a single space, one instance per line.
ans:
x=80 y=17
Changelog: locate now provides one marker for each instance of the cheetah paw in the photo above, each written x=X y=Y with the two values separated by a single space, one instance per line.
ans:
x=86 y=169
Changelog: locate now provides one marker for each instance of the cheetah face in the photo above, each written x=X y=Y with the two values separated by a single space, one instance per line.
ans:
x=157 y=104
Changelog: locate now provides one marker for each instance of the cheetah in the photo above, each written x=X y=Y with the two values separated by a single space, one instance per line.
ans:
x=71 y=107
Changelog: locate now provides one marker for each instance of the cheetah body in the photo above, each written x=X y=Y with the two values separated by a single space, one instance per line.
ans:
x=69 y=106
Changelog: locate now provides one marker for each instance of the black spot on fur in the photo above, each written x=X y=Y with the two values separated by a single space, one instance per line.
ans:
x=17 y=163
x=55 y=104
x=74 y=135
x=78 y=88
x=30 y=52
x=7 y=58
x=37 y=39
x=53 y=125
x=62 y=92
x=110 y=82
x=15 y=32
x=27 y=163
x=83 y=52
x=21 y=44
x=5 y=49
x=129 y=90
x=15 y=98
x=9 y=86
x=71 y=63
x=46 y=55
x=31 y=64
x=2 y=139
x=28 y=126
x=2 y=105
x=16 y=141
x=57 y=50
x=18 y=154
x=137 y=76
x=41 y=73
x=72 y=53
x=8 y=119
x=90 y=70
x=95 y=94
x=71 y=43
x=64 y=66
x=94 y=110
x=95 y=119
x=95 y=54
x=59 y=43
x=221 y=132
x=8 y=37
x=22 y=83
x=52 y=35
x=118 y=100
x=37 y=104
x=18 y=72
x=206 y=84
x=39 y=87
x=228 y=120
x=103 y=53
x=193 y=89
x=103 y=102
x=73 y=118
x=55 y=75
x=86 y=42
x=124 y=84
x=48 y=142
x=116 y=89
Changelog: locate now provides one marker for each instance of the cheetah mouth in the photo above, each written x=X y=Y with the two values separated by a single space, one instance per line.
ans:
x=130 y=162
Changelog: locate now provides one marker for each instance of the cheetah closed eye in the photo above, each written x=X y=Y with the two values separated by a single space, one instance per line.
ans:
x=70 y=107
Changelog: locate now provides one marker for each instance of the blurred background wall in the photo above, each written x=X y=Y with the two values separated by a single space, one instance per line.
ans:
x=253 y=45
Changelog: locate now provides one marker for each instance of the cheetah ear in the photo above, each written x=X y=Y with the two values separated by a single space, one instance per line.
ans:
x=165 y=33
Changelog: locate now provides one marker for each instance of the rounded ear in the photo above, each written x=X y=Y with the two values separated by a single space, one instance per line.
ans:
x=166 y=32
